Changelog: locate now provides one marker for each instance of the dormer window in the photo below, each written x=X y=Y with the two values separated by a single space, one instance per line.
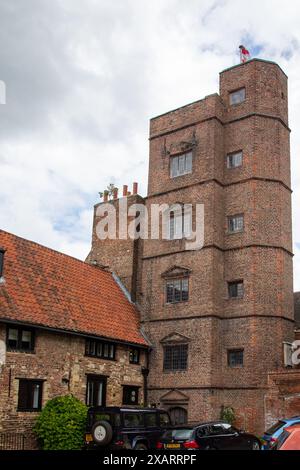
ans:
x=181 y=164
x=237 y=96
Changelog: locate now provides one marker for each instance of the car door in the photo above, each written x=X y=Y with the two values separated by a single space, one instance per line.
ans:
x=219 y=437
x=133 y=426
x=152 y=430
x=233 y=439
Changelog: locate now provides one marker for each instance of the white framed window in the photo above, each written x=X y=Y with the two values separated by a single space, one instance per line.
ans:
x=180 y=223
x=234 y=160
x=237 y=96
x=236 y=223
x=181 y=164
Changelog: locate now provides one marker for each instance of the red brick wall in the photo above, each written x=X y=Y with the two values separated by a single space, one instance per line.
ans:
x=261 y=254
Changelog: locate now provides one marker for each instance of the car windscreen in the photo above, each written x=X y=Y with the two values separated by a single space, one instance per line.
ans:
x=275 y=427
x=178 y=434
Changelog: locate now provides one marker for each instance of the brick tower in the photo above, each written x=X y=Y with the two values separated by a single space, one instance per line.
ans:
x=217 y=317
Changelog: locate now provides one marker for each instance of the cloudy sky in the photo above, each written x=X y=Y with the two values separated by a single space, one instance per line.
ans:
x=83 y=78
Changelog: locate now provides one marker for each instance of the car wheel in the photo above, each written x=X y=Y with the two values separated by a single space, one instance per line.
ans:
x=255 y=445
x=102 y=433
x=140 y=446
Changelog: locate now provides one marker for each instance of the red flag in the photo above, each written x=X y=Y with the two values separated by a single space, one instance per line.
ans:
x=244 y=54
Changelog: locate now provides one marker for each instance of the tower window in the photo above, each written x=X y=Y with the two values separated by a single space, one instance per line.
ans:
x=235 y=357
x=236 y=223
x=237 y=96
x=177 y=290
x=175 y=357
x=236 y=289
x=234 y=160
x=181 y=164
x=180 y=222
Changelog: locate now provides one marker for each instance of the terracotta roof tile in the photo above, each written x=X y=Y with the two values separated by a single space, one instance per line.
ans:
x=48 y=288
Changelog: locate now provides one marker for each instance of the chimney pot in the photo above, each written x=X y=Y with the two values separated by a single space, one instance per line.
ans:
x=135 y=188
x=125 y=189
x=105 y=196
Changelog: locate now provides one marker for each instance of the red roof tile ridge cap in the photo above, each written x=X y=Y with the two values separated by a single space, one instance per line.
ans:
x=55 y=251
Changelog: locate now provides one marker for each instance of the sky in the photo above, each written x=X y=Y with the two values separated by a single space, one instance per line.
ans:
x=83 y=78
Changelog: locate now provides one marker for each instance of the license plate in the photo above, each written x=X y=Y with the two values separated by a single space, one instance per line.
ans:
x=88 y=438
x=172 y=446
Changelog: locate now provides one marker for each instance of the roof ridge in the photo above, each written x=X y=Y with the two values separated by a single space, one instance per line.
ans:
x=54 y=251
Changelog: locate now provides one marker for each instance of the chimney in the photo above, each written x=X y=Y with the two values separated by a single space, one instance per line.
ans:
x=115 y=193
x=135 y=188
x=125 y=189
x=2 y=251
x=105 y=196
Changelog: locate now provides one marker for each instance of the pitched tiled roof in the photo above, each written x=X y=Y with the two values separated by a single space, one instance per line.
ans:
x=50 y=289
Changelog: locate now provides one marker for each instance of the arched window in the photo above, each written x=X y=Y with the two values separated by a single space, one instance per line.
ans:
x=178 y=415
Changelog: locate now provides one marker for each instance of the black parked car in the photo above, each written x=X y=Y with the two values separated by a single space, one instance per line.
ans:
x=208 y=436
x=125 y=428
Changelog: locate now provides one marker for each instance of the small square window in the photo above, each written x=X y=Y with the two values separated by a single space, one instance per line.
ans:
x=237 y=96
x=236 y=223
x=235 y=357
x=130 y=395
x=236 y=289
x=134 y=356
x=234 y=160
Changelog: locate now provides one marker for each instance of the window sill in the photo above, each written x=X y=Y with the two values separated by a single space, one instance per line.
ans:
x=236 y=232
x=236 y=104
x=29 y=411
x=180 y=176
x=101 y=358
x=22 y=351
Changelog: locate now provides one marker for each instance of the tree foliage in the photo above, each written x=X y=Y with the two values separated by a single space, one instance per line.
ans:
x=227 y=414
x=61 y=424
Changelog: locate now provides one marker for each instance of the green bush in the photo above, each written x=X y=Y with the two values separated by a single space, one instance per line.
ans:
x=227 y=414
x=61 y=424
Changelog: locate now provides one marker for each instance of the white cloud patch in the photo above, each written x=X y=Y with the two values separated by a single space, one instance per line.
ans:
x=82 y=80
